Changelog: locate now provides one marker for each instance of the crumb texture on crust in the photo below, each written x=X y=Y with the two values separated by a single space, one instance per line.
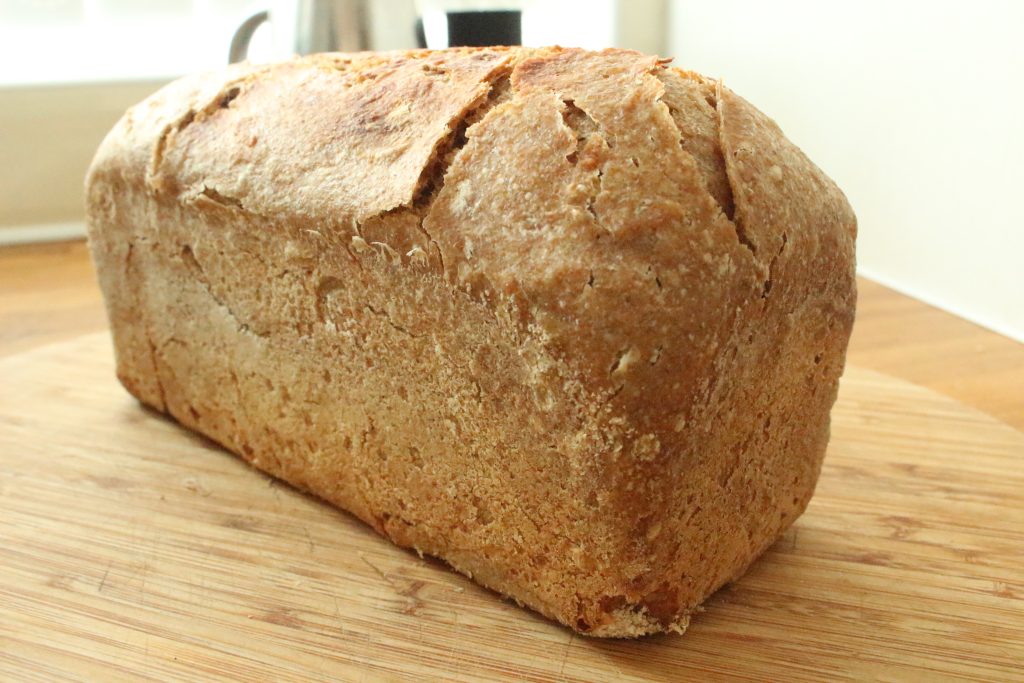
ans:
x=572 y=321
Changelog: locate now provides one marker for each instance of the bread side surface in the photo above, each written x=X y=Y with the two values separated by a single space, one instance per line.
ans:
x=571 y=321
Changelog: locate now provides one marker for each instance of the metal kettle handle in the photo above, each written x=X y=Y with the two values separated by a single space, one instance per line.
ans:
x=239 y=49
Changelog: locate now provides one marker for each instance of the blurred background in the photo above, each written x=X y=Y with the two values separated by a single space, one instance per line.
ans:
x=914 y=107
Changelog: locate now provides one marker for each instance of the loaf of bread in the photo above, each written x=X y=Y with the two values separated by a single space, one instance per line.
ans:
x=572 y=321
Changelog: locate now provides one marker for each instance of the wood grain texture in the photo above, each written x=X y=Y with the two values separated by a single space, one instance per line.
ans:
x=48 y=293
x=905 y=338
x=133 y=550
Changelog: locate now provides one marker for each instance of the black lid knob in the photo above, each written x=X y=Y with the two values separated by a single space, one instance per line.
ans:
x=480 y=29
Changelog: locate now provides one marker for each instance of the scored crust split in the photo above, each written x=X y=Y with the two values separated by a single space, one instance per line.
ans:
x=571 y=321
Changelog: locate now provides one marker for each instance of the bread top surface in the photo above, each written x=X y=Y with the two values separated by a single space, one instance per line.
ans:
x=632 y=215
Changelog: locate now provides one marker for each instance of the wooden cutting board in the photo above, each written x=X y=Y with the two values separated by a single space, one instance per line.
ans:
x=131 y=549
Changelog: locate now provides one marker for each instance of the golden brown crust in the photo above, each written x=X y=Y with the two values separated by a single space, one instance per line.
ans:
x=572 y=321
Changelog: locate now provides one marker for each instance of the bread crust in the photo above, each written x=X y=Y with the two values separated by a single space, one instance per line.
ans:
x=572 y=321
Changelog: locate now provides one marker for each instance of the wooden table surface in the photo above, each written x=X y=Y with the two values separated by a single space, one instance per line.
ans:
x=48 y=293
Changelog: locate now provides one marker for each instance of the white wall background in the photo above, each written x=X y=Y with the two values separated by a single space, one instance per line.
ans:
x=915 y=108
